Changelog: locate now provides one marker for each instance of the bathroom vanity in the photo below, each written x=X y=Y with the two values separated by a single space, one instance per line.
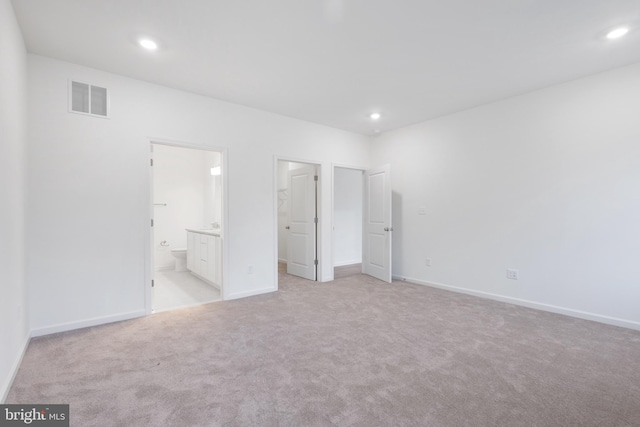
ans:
x=204 y=255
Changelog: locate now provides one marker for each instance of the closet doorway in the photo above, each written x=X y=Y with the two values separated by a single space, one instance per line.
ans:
x=298 y=218
x=364 y=221
x=348 y=200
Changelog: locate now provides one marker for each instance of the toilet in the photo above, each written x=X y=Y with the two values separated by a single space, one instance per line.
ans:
x=181 y=258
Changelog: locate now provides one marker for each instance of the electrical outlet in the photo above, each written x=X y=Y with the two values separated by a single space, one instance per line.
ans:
x=512 y=274
x=427 y=262
x=250 y=269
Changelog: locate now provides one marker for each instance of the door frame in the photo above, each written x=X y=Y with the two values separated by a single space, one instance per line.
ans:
x=362 y=169
x=320 y=226
x=149 y=247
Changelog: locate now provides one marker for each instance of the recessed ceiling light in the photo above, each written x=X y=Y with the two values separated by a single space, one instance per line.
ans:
x=148 y=44
x=375 y=116
x=617 y=33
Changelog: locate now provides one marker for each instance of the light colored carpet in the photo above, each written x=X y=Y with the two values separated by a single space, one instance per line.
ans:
x=353 y=352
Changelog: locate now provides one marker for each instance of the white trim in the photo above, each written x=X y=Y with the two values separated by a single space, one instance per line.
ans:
x=165 y=268
x=95 y=321
x=252 y=293
x=350 y=262
x=179 y=307
x=282 y=260
x=275 y=223
x=14 y=369
x=148 y=236
x=530 y=304
x=345 y=166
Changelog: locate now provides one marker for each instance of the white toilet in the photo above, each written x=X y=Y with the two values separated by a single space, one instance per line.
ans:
x=181 y=258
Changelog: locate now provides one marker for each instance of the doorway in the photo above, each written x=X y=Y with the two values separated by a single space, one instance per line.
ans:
x=348 y=199
x=186 y=226
x=362 y=222
x=298 y=217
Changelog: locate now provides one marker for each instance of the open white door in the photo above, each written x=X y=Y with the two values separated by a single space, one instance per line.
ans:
x=376 y=250
x=301 y=231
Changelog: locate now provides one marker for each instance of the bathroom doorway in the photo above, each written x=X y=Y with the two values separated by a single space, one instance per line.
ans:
x=186 y=226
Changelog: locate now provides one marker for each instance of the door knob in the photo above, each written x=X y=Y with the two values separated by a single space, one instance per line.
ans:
x=388 y=229
x=287 y=227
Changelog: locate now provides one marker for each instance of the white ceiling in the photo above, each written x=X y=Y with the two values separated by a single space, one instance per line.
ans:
x=335 y=61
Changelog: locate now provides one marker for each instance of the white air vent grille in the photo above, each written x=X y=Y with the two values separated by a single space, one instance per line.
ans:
x=88 y=99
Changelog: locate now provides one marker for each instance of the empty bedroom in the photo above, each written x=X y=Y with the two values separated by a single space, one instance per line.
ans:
x=320 y=213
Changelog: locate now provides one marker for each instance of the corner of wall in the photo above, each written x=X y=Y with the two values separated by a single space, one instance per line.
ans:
x=14 y=305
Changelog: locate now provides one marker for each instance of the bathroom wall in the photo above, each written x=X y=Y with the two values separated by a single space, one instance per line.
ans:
x=182 y=181
x=14 y=324
x=212 y=190
x=347 y=217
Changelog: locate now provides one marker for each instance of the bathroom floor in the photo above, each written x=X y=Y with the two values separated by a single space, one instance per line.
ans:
x=179 y=289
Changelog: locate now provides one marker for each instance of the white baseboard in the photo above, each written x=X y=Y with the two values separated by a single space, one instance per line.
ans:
x=282 y=260
x=343 y=263
x=14 y=370
x=526 y=303
x=245 y=294
x=165 y=268
x=63 y=327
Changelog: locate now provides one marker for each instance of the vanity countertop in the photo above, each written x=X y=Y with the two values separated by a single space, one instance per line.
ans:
x=211 y=231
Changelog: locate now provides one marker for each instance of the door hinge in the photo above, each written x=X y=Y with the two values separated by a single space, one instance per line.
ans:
x=152 y=222
x=315 y=220
x=151 y=162
x=315 y=178
x=315 y=262
x=153 y=283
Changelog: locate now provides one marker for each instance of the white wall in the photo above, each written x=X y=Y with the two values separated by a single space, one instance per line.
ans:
x=88 y=200
x=14 y=327
x=347 y=216
x=547 y=183
x=182 y=180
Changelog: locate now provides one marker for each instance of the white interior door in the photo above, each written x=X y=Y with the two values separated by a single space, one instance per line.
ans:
x=301 y=231
x=376 y=250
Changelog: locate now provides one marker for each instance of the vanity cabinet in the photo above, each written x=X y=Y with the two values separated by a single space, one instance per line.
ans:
x=204 y=255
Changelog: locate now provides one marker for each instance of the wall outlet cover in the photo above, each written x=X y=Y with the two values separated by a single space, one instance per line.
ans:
x=512 y=274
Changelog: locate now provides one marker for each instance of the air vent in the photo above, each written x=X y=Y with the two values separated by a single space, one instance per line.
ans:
x=88 y=99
